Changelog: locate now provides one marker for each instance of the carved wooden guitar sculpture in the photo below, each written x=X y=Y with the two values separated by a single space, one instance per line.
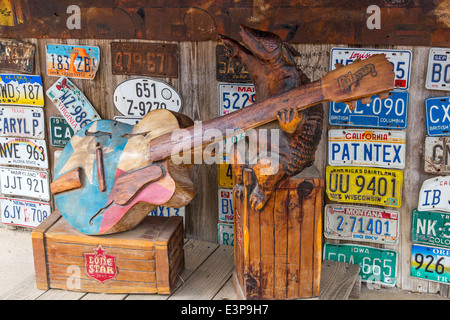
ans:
x=111 y=175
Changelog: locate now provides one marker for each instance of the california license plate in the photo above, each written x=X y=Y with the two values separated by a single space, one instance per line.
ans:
x=235 y=96
x=364 y=185
x=22 y=90
x=377 y=265
x=225 y=172
x=434 y=194
x=22 y=122
x=437 y=113
x=27 y=183
x=25 y=213
x=359 y=223
x=437 y=155
x=80 y=62
x=60 y=132
x=226 y=205
x=374 y=148
x=226 y=234
x=23 y=152
x=389 y=113
x=430 y=263
x=438 y=72
x=431 y=228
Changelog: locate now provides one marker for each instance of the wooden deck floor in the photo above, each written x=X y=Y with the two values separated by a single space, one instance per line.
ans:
x=207 y=276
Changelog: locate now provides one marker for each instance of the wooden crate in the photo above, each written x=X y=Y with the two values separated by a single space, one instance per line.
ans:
x=278 y=251
x=147 y=259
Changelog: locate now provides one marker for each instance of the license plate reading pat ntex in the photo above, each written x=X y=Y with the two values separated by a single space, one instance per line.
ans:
x=430 y=263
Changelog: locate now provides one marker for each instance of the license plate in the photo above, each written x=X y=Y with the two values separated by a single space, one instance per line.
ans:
x=437 y=155
x=60 y=132
x=235 y=96
x=361 y=224
x=365 y=185
x=438 y=72
x=389 y=113
x=377 y=265
x=226 y=205
x=430 y=263
x=400 y=59
x=429 y=227
x=28 y=183
x=25 y=213
x=23 y=152
x=437 y=113
x=226 y=234
x=434 y=195
x=225 y=172
x=162 y=211
x=138 y=96
x=72 y=104
x=17 y=56
x=80 y=62
x=375 y=148
x=22 y=122
x=229 y=69
x=22 y=90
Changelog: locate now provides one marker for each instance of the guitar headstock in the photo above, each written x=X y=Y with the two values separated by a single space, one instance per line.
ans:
x=359 y=81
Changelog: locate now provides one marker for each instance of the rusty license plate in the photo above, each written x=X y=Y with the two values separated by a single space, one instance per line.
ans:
x=437 y=155
x=16 y=55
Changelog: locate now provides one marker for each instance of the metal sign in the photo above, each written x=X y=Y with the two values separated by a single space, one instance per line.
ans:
x=72 y=104
x=27 y=183
x=235 y=96
x=225 y=172
x=438 y=72
x=430 y=263
x=359 y=223
x=17 y=56
x=434 y=195
x=100 y=266
x=25 y=213
x=437 y=155
x=437 y=113
x=60 y=132
x=226 y=234
x=400 y=59
x=364 y=185
x=77 y=61
x=377 y=265
x=389 y=113
x=23 y=152
x=22 y=90
x=226 y=205
x=375 y=148
x=229 y=69
x=22 y=122
x=138 y=96
x=429 y=227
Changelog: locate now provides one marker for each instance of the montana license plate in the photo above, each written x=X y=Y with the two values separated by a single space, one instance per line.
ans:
x=430 y=263
x=437 y=155
x=438 y=72
x=431 y=228
x=374 y=148
x=27 y=183
x=22 y=90
x=377 y=265
x=381 y=187
x=359 y=223
x=235 y=96
x=23 y=152
x=434 y=194
x=25 y=213
x=437 y=113
x=22 y=122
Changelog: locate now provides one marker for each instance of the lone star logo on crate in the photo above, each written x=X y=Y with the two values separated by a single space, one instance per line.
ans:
x=100 y=266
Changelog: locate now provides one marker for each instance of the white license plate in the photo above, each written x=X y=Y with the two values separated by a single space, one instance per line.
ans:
x=27 y=183
x=235 y=96
x=23 y=152
x=226 y=233
x=24 y=213
x=438 y=72
x=25 y=90
x=437 y=155
x=359 y=223
x=226 y=205
x=22 y=122
x=434 y=194
x=375 y=148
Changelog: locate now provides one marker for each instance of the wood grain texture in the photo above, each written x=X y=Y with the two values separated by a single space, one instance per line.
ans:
x=338 y=280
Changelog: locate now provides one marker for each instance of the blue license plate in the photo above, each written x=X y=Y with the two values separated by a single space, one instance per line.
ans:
x=437 y=112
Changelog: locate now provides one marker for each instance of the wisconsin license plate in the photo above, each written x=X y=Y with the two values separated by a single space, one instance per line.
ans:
x=22 y=122
x=437 y=155
x=226 y=205
x=23 y=152
x=364 y=185
x=430 y=263
x=438 y=72
x=389 y=113
x=375 y=148
x=361 y=224
x=431 y=228
x=60 y=132
x=235 y=96
x=22 y=90
x=377 y=265
x=434 y=195
x=80 y=62
x=24 y=213
x=27 y=183
x=225 y=172
x=226 y=234
x=437 y=116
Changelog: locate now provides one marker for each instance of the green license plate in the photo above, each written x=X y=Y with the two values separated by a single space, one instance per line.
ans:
x=431 y=228
x=377 y=265
x=430 y=263
x=60 y=132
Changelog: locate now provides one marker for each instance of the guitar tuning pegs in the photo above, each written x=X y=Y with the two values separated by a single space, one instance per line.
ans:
x=338 y=65
x=383 y=95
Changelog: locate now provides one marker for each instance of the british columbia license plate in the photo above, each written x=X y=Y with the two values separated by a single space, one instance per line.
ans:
x=375 y=148
x=437 y=113
x=72 y=104
x=437 y=155
x=359 y=223
x=226 y=205
x=27 y=183
x=434 y=194
x=60 y=132
x=225 y=172
x=438 y=72
x=226 y=234
x=364 y=185
x=80 y=62
x=431 y=228
x=430 y=263
x=22 y=90
x=389 y=113
x=377 y=265
x=22 y=212
x=22 y=122
x=23 y=152
x=235 y=96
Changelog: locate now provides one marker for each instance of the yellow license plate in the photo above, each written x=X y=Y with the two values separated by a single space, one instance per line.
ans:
x=225 y=172
x=365 y=185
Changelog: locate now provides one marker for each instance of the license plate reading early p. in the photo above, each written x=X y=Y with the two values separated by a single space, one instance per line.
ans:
x=377 y=265
x=437 y=155
x=28 y=183
x=430 y=263
x=438 y=72
x=437 y=113
x=22 y=122
x=364 y=185
x=434 y=195
x=235 y=96
x=359 y=223
x=22 y=212
x=23 y=152
x=22 y=90
x=431 y=228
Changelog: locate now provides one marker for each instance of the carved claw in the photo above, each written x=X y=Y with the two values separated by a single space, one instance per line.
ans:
x=289 y=120
x=238 y=191
x=257 y=201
